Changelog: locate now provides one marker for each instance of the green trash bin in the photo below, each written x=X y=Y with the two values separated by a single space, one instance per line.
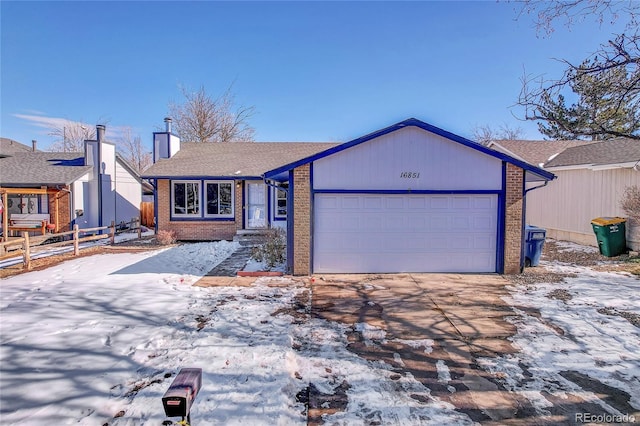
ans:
x=610 y=233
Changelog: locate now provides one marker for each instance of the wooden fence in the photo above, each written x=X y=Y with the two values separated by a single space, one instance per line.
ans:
x=147 y=214
x=28 y=247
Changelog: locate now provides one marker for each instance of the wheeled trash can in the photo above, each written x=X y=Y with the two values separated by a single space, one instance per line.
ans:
x=610 y=233
x=534 y=241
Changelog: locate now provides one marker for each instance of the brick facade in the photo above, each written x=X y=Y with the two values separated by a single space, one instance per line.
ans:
x=60 y=209
x=197 y=230
x=513 y=219
x=302 y=220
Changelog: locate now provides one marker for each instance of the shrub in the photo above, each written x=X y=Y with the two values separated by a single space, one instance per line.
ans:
x=274 y=250
x=630 y=202
x=166 y=237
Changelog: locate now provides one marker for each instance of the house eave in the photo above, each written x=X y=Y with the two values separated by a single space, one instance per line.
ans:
x=543 y=174
x=595 y=167
x=201 y=177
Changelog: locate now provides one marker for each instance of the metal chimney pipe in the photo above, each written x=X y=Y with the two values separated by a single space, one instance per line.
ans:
x=167 y=122
x=100 y=128
x=34 y=145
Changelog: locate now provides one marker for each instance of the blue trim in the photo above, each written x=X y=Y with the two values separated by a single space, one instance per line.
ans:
x=502 y=220
x=269 y=214
x=500 y=209
x=273 y=193
x=202 y=219
x=422 y=125
x=244 y=199
x=406 y=191
x=312 y=197
x=290 y=220
x=155 y=203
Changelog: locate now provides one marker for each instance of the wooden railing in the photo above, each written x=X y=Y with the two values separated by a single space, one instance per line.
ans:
x=28 y=247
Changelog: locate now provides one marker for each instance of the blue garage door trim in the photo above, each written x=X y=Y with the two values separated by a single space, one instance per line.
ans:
x=499 y=213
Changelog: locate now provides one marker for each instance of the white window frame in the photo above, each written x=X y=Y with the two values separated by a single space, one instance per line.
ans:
x=206 y=201
x=275 y=203
x=173 y=198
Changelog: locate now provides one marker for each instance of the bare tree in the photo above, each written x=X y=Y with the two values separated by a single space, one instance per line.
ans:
x=133 y=150
x=630 y=202
x=547 y=13
x=485 y=133
x=201 y=118
x=70 y=136
x=607 y=84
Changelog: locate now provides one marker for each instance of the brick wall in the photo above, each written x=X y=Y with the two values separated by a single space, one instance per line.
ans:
x=62 y=201
x=513 y=219
x=205 y=230
x=302 y=220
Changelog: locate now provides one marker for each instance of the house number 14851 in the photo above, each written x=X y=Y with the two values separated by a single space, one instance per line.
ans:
x=410 y=175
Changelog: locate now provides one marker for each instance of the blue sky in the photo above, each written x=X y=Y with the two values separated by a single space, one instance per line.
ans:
x=314 y=71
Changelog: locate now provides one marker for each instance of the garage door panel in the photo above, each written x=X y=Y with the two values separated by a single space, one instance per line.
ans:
x=439 y=202
x=395 y=202
x=405 y=233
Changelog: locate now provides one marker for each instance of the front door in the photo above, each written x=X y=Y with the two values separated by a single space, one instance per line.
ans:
x=256 y=205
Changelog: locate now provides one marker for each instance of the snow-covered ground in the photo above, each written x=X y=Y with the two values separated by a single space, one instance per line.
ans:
x=38 y=252
x=92 y=341
x=589 y=323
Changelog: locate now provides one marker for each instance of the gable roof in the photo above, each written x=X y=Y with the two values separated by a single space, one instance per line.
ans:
x=617 y=152
x=24 y=169
x=232 y=159
x=534 y=152
x=9 y=146
x=535 y=173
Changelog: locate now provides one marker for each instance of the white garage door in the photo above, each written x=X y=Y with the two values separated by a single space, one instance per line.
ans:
x=405 y=233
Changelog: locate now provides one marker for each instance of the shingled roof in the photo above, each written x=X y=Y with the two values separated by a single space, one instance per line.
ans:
x=234 y=159
x=609 y=152
x=22 y=169
x=534 y=152
x=9 y=146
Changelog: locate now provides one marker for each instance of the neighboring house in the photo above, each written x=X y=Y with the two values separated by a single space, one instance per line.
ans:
x=90 y=189
x=407 y=198
x=9 y=146
x=592 y=178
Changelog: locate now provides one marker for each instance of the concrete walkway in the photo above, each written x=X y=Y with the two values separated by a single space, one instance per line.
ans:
x=232 y=264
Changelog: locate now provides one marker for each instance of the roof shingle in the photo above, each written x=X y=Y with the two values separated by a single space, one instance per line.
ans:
x=41 y=168
x=613 y=151
x=536 y=152
x=243 y=159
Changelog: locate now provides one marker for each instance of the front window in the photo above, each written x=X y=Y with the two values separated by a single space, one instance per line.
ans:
x=219 y=199
x=281 y=203
x=186 y=198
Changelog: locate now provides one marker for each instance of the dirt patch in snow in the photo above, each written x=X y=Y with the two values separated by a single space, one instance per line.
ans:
x=560 y=294
x=633 y=318
x=573 y=254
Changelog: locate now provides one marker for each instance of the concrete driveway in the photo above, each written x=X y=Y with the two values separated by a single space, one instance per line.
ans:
x=462 y=314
